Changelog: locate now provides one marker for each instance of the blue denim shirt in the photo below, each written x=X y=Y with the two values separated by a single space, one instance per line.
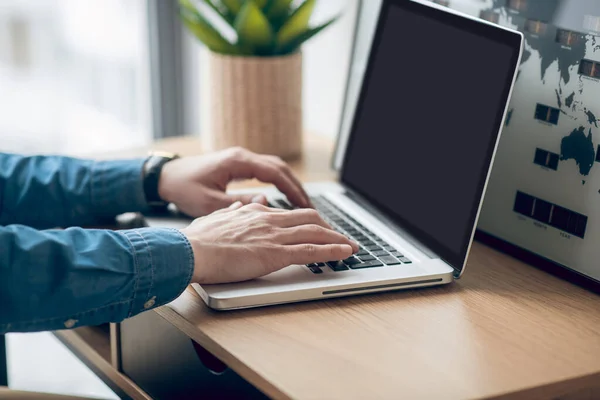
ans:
x=55 y=279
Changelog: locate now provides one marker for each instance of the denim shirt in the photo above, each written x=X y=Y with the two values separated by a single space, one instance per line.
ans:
x=55 y=279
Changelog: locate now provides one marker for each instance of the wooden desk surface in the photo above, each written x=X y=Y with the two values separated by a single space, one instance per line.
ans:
x=504 y=329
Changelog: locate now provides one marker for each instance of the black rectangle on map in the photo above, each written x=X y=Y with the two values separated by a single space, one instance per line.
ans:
x=568 y=38
x=581 y=225
x=573 y=223
x=541 y=211
x=536 y=27
x=517 y=5
x=589 y=68
x=524 y=204
x=552 y=161
x=540 y=157
x=560 y=218
x=551 y=214
x=547 y=113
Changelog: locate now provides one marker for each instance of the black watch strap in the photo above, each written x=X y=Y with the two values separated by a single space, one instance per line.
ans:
x=151 y=175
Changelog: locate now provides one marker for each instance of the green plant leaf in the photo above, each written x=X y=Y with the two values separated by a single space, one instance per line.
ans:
x=253 y=27
x=277 y=12
x=262 y=3
x=203 y=30
x=295 y=44
x=296 y=24
x=221 y=10
x=232 y=6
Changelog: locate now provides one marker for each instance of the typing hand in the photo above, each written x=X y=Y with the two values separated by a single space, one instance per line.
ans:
x=239 y=243
x=197 y=185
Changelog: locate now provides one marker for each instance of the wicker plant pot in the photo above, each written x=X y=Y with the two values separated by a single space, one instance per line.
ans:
x=256 y=103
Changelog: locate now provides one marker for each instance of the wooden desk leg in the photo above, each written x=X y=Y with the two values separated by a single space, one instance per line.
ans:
x=3 y=362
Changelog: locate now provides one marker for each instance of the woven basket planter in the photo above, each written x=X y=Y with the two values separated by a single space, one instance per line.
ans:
x=256 y=103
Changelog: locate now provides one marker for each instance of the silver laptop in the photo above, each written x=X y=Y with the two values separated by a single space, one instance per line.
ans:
x=416 y=160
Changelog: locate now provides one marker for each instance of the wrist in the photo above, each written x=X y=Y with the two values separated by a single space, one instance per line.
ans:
x=197 y=274
x=154 y=191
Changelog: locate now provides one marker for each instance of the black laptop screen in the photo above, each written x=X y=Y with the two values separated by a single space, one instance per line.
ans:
x=427 y=121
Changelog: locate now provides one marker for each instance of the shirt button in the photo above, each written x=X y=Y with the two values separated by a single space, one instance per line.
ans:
x=70 y=323
x=150 y=303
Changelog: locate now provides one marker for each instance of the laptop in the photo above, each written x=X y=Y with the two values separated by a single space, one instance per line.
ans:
x=415 y=163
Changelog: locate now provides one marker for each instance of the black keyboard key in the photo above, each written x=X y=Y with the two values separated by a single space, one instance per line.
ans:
x=396 y=253
x=337 y=265
x=351 y=261
x=366 y=257
x=316 y=270
x=389 y=260
x=405 y=260
x=284 y=204
x=312 y=265
x=380 y=253
x=388 y=247
x=368 y=243
x=368 y=264
x=362 y=252
x=360 y=237
x=373 y=248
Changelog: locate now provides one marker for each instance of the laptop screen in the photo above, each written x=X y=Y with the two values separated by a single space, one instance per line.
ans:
x=427 y=121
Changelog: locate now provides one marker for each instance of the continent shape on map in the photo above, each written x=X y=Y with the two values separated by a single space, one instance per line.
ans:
x=579 y=147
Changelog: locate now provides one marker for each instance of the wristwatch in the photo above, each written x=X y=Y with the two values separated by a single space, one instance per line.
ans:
x=151 y=175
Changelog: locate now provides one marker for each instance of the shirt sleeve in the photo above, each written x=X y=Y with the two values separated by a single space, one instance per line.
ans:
x=51 y=191
x=59 y=279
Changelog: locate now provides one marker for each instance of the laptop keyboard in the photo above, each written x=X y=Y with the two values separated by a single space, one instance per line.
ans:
x=374 y=251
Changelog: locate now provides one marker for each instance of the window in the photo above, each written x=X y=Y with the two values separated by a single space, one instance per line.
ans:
x=74 y=75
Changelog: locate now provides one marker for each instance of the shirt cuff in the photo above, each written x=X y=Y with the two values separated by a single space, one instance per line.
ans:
x=164 y=263
x=117 y=187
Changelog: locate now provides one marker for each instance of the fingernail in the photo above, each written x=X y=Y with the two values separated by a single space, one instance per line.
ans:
x=258 y=199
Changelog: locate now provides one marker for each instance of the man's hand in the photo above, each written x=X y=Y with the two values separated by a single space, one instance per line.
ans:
x=245 y=242
x=197 y=185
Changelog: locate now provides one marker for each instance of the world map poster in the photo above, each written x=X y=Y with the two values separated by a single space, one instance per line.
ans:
x=544 y=192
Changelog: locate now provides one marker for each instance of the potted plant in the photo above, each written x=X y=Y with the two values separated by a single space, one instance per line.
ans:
x=255 y=70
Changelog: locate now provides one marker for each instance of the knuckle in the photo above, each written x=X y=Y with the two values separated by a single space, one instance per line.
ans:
x=254 y=207
x=316 y=230
x=312 y=214
x=310 y=250
x=279 y=162
x=236 y=152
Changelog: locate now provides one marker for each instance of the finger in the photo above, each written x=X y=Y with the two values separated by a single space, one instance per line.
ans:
x=250 y=165
x=233 y=206
x=313 y=253
x=314 y=234
x=249 y=198
x=299 y=217
x=279 y=163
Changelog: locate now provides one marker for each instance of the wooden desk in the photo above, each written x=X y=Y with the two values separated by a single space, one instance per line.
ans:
x=505 y=329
